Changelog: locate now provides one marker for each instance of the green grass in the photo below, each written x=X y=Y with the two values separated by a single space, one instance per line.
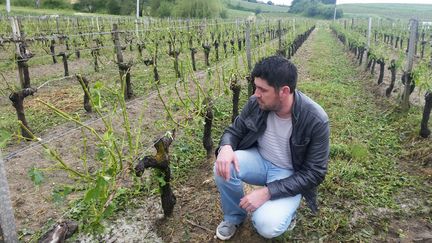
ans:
x=390 y=11
x=253 y=6
x=234 y=13
x=364 y=176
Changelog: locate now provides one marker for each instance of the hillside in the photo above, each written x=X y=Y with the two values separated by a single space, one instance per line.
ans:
x=249 y=6
x=385 y=10
x=240 y=8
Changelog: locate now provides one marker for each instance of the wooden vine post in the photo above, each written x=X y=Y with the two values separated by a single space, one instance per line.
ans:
x=249 y=62
x=52 y=51
x=216 y=44
x=381 y=62
x=22 y=54
x=412 y=41
x=95 y=54
x=17 y=99
x=85 y=86
x=160 y=162
x=207 y=49
x=191 y=48
x=424 y=130
x=368 y=38
x=65 y=62
x=208 y=122
x=392 y=69
x=7 y=221
x=174 y=52
x=280 y=37
x=124 y=68
x=154 y=61
x=236 y=88
x=423 y=44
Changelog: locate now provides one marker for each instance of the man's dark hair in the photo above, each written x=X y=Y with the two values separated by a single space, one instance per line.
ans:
x=277 y=71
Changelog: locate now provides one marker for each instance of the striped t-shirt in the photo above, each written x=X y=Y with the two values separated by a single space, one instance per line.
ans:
x=273 y=145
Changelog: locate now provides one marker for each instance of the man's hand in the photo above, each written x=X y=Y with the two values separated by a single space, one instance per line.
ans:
x=225 y=157
x=255 y=199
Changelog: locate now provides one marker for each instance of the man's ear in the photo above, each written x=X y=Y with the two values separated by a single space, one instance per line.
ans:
x=285 y=90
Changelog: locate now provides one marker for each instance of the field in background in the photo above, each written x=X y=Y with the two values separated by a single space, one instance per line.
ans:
x=253 y=6
x=390 y=11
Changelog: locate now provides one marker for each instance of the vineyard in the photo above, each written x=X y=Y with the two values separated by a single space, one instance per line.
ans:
x=109 y=125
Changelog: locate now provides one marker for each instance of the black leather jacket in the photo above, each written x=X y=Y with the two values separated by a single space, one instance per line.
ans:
x=309 y=144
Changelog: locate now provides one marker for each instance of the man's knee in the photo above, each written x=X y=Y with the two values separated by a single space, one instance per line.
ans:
x=269 y=227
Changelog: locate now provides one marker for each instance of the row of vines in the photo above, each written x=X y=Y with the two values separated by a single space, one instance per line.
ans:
x=121 y=84
x=388 y=44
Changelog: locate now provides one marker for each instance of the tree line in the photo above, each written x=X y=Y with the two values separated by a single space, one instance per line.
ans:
x=156 y=8
x=315 y=8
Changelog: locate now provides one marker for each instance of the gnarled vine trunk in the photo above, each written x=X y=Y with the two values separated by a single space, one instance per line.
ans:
x=161 y=162
x=17 y=99
x=424 y=130
x=208 y=123
x=381 y=74
x=392 y=69
x=236 y=88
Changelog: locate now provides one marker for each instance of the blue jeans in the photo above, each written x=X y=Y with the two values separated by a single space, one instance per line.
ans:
x=274 y=216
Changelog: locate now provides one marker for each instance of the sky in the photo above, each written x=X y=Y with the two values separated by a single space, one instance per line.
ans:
x=288 y=2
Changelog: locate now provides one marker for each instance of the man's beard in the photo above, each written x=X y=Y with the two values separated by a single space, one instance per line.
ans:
x=267 y=107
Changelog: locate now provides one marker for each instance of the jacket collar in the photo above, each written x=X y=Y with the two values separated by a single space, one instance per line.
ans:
x=296 y=106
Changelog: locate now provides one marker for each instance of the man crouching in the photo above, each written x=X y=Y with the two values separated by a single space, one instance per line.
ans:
x=279 y=141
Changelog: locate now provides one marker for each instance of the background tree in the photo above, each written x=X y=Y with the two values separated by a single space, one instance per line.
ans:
x=161 y=8
x=328 y=1
x=315 y=8
x=113 y=7
x=55 y=4
x=198 y=8
x=258 y=10
x=91 y=6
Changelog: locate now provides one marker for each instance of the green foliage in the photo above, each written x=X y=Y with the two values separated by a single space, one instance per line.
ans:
x=59 y=194
x=117 y=7
x=251 y=6
x=55 y=4
x=90 y=6
x=198 y=8
x=328 y=1
x=24 y=3
x=320 y=9
x=113 y=7
x=36 y=175
x=161 y=8
x=5 y=136
x=258 y=10
x=422 y=75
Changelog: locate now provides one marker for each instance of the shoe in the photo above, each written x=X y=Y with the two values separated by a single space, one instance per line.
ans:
x=293 y=223
x=226 y=230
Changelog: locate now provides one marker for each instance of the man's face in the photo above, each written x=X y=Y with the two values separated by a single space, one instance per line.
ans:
x=268 y=98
